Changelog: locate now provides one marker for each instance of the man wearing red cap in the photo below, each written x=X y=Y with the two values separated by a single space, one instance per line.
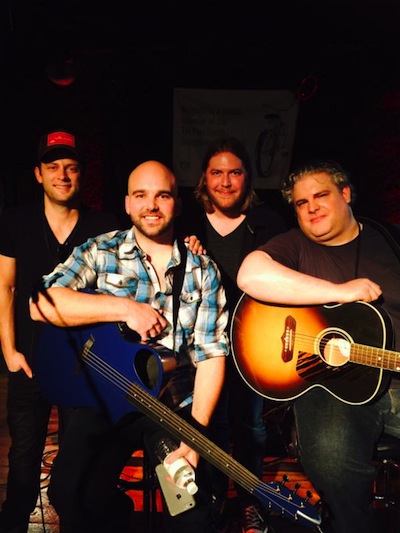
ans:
x=33 y=240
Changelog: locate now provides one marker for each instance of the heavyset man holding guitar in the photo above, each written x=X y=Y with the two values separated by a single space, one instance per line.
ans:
x=316 y=296
x=134 y=273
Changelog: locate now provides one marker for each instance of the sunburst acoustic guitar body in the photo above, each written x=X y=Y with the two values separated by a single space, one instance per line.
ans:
x=282 y=351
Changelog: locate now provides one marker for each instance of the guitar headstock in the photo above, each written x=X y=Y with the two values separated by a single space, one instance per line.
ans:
x=279 y=498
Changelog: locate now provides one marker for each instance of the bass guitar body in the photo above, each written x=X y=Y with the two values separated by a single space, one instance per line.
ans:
x=92 y=366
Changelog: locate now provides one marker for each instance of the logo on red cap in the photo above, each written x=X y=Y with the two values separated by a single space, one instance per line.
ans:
x=60 y=137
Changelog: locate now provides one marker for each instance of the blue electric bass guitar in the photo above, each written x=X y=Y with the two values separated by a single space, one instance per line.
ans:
x=102 y=366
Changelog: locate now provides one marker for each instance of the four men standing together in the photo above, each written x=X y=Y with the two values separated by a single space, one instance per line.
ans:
x=330 y=258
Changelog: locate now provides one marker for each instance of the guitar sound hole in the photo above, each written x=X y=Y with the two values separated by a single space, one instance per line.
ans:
x=334 y=346
x=146 y=366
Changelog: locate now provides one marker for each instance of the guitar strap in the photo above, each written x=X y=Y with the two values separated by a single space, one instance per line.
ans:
x=389 y=231
x=177 y=283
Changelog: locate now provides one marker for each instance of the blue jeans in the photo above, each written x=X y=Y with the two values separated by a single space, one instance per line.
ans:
x=28 y=416
x=336 y=443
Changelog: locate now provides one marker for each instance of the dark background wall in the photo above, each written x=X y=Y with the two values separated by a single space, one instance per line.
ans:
x=340 y=56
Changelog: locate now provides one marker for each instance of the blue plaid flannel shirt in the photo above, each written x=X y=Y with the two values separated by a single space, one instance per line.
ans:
x=113 y=263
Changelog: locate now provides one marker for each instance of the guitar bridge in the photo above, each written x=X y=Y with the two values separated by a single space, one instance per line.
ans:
x=288 y=339
x=87 y=347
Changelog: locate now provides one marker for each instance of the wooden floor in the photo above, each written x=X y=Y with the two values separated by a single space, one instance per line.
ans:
x=45 y=520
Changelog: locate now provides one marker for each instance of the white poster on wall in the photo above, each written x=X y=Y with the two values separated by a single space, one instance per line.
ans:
x=265 y=121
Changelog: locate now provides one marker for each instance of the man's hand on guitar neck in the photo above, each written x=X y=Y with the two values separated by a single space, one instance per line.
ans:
x=184 y=451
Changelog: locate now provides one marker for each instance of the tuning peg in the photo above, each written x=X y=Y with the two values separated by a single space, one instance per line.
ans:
x=296 y=488
x=285 y=479
x=308 y=496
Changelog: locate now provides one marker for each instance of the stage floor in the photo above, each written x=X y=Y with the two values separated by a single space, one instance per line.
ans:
x=44 y=519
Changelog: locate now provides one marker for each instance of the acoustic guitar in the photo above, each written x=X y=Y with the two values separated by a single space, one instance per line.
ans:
x=282 y=352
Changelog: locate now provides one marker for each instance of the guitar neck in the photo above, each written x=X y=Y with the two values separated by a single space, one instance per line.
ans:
x=182 y=430
x=276 y=497
x=375 y=357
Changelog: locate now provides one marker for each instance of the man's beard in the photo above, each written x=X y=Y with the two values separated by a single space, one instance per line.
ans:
x=153 y=231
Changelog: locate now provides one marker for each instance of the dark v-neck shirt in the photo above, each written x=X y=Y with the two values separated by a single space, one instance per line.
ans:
x=26 y=236
x=224 y=251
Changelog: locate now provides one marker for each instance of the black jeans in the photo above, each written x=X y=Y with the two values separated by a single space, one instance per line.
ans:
x=28 y=416
x=83 y=487
x=238 y=420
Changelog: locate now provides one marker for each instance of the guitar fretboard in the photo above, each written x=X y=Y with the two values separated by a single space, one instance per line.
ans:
x=277 y=497
x=375 y=357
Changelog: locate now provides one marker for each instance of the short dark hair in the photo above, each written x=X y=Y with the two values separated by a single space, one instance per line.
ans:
x=234 y=146
x=334 y=170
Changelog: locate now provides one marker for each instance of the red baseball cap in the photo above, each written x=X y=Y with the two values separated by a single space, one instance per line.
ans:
x=58 y=144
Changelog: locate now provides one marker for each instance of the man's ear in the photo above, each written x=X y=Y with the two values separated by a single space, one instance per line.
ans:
x=347 y=194
x=38 y=175
x=127 y=211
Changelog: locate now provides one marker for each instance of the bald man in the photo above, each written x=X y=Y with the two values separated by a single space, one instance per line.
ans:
x=132 y=272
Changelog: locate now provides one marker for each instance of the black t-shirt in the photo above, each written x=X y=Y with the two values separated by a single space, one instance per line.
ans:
x=368 y=256
x=261 y=223
x=26 y=236
x=225 y=252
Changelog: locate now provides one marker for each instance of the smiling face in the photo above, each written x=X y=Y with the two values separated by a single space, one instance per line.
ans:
x=152 y=202
x=226 y=182
x=323 y=211
x=60 y=180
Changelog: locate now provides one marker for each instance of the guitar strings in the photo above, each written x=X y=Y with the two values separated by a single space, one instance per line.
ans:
x=177 y=426
x=360 y=353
